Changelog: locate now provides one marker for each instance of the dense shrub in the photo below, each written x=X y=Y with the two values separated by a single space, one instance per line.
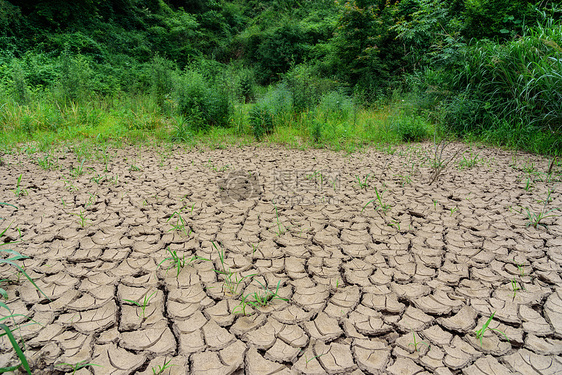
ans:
x=201 y=104
x=411 y=128
x=261 y=120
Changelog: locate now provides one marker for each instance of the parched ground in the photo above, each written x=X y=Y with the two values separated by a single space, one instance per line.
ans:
x=395 y=286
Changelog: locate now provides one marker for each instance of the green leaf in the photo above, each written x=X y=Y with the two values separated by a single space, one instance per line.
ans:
x=17 y=348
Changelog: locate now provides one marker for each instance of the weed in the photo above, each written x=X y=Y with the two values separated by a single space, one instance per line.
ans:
x=82 y=217
x=259 y=299
x=535 y=218
x=160 y=369
x=266 y=296
x=134 y=168
x=232 y=280
x=181 y=223
x=70 y=186
x=453 y=210
x=405 y=179
x=19 y=191
x=145 y=303
x=480 y=333
x=362 y=184
x=177 y=262
x=91 y=200
x=98 y=178
x=11 y=260
x=307 y=360
x=78 y=366
x=514 y=287
x=396 y=224
x=383 y=206
x=416 y=343
x=47 y=162
x=528 y=185
x=469 y=162
x=79 y=170
x=280 y=228
x=520 y=267
x=438 y=162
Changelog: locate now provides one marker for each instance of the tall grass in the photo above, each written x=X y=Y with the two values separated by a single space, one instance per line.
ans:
x=511 y=93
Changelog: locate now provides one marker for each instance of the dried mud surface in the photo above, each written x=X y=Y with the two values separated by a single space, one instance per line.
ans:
x=361 y=283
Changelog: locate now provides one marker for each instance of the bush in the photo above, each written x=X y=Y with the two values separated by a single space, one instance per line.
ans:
x=336 y=105
x=200 y=103
x=306 y=88
x=19 y=87
x=73 y=80
x=316 y=131
x=261 y=120
x=411 y=128
x=161 y=80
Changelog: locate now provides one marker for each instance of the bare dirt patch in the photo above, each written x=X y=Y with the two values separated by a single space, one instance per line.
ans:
x=287 y=261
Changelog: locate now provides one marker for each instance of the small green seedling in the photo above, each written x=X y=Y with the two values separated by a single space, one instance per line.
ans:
x=416 y=343
x=82 y=217
x=362 y=184
x=160 y=369
x=266 y=296
x=528 y=185
x=515 y=287
x=395 y=223
x=280 y=228
x=177 y=262
x=47 y=162
x=453 y=210
x=98 y=178
x=307 y=360
x=79 y=170
x=11 y=260
x=91 y=200
x=78 y=366
x=384 y=207
x=19 y=191
x=232 y=280
x=469 y=162
x=259 y=299
x=134 y=168
x=520 y=267
x=481 y=331
x=536 y=218
x=181 y=223
x=145 y=303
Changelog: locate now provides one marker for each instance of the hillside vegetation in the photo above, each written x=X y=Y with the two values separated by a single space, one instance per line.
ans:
x=336 y=73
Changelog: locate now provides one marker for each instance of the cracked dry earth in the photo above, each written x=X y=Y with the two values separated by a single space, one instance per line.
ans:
x=361 y=284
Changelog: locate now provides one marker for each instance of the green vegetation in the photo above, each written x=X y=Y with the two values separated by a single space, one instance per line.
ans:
x=7 y=322
x=535 y=218
x=416 y=344
x=319 y=73
x=78 y=366
x=157 y=370
x=174 y=260
x=231 y=280
x=480 y=333
x=142 y=305
x=19 y=191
